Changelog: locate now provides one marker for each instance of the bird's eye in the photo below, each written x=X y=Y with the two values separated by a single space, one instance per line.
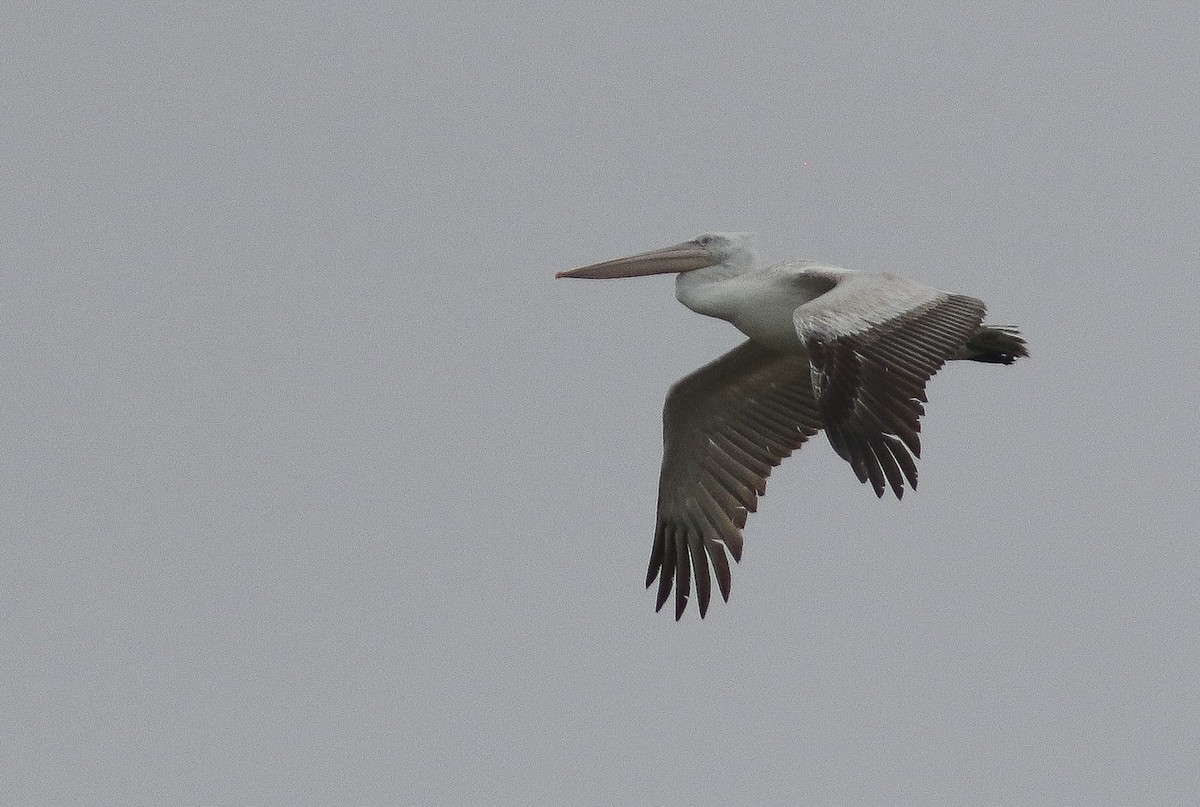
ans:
x=705 y=240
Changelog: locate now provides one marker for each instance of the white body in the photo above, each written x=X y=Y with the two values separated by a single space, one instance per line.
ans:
x=758 y=302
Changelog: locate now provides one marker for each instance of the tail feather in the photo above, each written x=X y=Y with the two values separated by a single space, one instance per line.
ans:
x=996 y=344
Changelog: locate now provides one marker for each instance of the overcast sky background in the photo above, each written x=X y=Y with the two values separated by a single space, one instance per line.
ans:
x=319 y=489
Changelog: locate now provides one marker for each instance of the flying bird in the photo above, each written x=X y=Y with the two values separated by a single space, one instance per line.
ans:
x=837 y=349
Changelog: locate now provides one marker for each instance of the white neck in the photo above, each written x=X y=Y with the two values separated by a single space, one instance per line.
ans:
x=703 y=290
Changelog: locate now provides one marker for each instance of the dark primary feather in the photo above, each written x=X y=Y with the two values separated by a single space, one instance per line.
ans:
x=725 y=427
x=870 y=385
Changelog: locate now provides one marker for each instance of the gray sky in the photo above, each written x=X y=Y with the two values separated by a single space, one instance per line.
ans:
x=319 y=489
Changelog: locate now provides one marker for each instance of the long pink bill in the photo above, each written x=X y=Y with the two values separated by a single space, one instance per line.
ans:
x=678 y=258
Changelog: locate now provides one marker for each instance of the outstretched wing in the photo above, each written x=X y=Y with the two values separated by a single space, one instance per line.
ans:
x=874 y=341
x=725 y=427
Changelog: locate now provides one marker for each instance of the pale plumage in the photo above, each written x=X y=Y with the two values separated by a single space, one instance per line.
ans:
x=835 y=349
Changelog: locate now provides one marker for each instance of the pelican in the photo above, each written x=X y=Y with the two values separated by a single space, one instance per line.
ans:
x=837 y=349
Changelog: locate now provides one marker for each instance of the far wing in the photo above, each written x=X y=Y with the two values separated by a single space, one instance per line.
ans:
x=874 y=341
x=725 y=427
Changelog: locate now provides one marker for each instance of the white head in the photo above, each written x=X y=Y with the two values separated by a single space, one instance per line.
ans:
x=732 y=251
